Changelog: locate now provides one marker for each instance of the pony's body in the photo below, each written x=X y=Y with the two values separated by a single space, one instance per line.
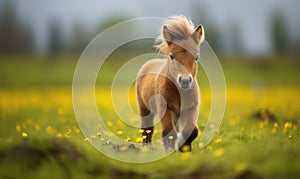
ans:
x=169 y=88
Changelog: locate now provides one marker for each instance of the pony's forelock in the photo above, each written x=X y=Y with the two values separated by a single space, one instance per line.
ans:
x=178 y=24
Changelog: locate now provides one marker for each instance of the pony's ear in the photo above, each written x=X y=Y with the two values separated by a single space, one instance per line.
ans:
x=199 y=33
x=168 y=35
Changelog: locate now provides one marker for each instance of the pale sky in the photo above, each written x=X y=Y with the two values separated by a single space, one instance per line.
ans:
x=253 y=17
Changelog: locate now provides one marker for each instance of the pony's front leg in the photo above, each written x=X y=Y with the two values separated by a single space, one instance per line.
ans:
x=169 y=133
x=189 y=131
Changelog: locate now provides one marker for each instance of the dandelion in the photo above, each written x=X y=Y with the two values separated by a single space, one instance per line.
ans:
x=185 y=156
x=120 y=123
x=18 y=127
x=102 y=139
x=219 y=140
x=59 y=135
x=144 y=137
x=148 y=131
x=171 y=137
x=141 y=131
x=24 y=134
x=218 y=153
x=99 y=133
x=93 y=136
x=209 y=147
x=287 y=125
x=50 y=129
x=290 y=136
x=128 y=139
x=275 y=125
x=186 y=148
x=77 y=131
x=109 y=123
x=86 y=139
x=68 y=133
x=119 y=132
x=139 y=140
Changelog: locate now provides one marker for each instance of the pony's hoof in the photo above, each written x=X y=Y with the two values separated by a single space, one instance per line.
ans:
x=185 y=148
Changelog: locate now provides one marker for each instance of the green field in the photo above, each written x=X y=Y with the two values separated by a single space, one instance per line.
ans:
x=259 y=136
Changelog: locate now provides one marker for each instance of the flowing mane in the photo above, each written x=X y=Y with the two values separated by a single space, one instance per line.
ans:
x=179 y=25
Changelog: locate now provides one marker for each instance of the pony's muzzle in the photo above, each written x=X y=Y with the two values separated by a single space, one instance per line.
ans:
x=185 y=82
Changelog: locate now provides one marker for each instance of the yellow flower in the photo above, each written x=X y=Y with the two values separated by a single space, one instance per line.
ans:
x=219 y=140
x=186 y=148
x=50 y=130
x=128 y=139
x=109 y=123
x=59 y=135
x=171 y=137
x=185 y=155
x=18 y=127
x=144 y=137
x=93 y=136
x=141 y=131
x=119 y=132
x=148 y=131
x=139 y=140
x=24 y=134
x=86 y=139
x=218 y=152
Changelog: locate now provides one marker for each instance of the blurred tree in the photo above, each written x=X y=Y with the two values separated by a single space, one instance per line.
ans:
x=112 y=21
x=236 y=38
x=212 y=33
x=279 y=33
x=79 y=38
x=15 y=37
x=55 y=43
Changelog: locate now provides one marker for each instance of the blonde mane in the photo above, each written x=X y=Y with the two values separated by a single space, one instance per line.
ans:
x=179 y=25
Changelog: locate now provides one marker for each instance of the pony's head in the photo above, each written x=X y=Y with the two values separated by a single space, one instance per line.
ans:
x=180 y=42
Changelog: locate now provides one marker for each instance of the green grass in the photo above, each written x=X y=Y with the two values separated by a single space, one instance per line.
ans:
x=40 y=137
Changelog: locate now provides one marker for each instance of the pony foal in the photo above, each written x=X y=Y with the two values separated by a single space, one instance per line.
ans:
x=168 y=87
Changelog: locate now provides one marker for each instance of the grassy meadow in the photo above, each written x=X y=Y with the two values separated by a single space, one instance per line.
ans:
x=259 y=136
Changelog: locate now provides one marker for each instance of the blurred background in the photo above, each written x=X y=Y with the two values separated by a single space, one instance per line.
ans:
x=257 y=43
x=252 y=28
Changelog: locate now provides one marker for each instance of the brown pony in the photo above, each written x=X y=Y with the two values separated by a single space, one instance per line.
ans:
x=168 y=87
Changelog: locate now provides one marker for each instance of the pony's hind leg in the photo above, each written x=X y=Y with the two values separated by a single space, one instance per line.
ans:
x=169 y=133
x=147 y=125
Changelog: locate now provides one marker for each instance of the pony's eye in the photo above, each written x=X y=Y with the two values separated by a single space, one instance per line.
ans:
x=172 y=57
x=197 y=58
